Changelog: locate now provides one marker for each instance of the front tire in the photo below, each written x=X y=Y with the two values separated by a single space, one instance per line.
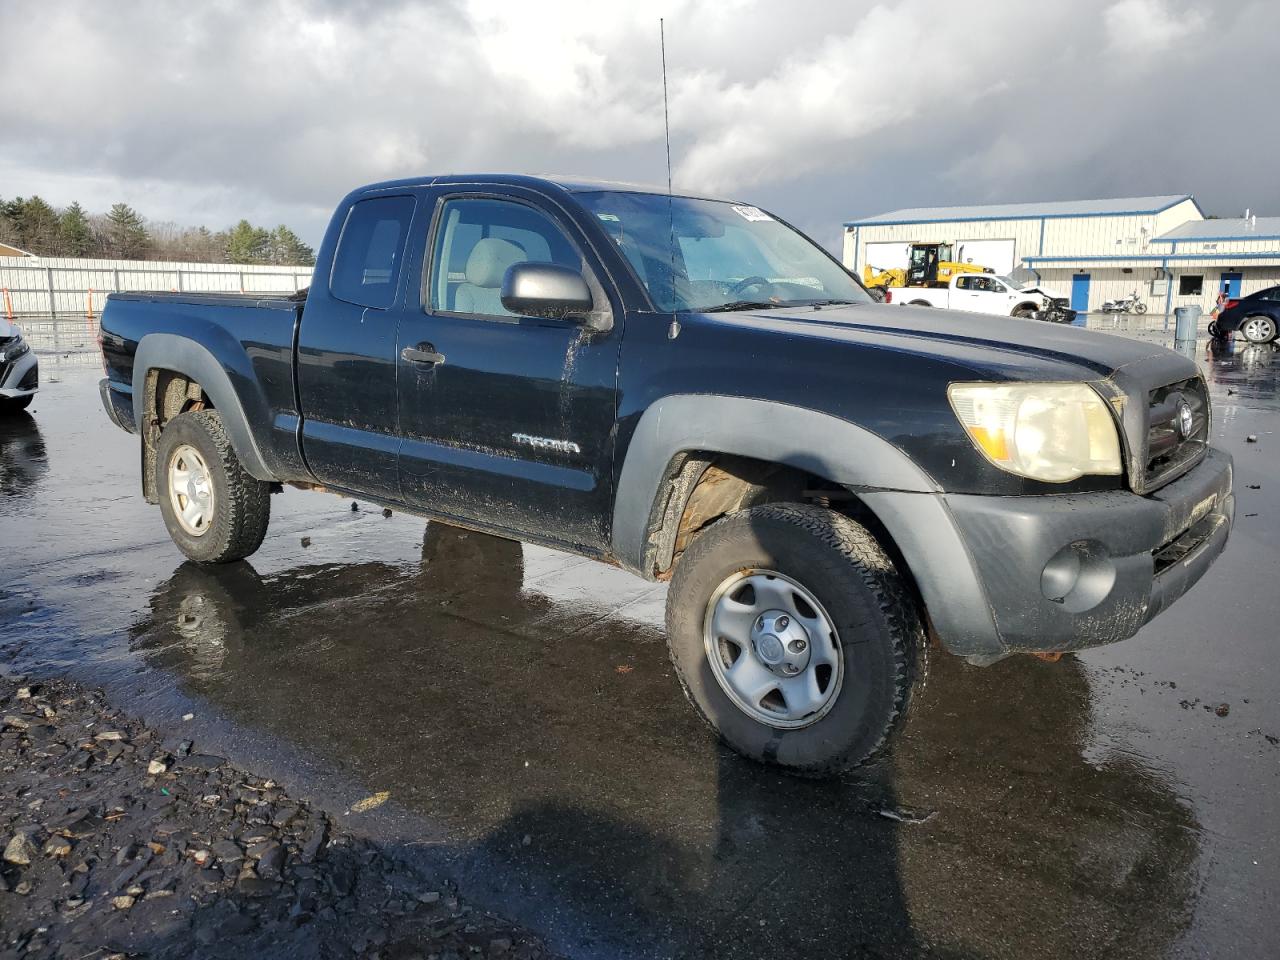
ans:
x=1139 y=308
x=1258 y=329
x=794 y=637
x=12 y=405
x=214 y=510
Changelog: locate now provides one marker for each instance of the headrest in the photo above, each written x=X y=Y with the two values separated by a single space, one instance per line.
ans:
x=489 y=260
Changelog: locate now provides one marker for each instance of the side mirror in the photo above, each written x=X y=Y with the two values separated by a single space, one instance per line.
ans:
x=545 y=290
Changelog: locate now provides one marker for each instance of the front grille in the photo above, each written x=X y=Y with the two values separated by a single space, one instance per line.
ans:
x=1173 y=448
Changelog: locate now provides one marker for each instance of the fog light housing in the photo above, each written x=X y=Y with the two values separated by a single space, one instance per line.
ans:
x=1079 y=576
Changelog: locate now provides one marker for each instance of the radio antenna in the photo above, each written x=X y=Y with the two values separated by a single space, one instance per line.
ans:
x=673 y=331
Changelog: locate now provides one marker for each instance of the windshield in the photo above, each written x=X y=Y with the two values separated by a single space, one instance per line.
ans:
x=724 y=256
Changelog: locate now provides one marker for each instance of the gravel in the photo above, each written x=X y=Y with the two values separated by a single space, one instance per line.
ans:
x=115 y=847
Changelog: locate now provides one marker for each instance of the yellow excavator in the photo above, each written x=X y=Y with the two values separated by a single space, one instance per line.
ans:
x=928 y=265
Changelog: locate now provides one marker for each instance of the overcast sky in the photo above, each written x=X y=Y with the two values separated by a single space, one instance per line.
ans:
x=821 y=111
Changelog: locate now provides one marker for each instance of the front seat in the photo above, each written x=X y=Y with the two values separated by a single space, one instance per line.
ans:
x=486 y=266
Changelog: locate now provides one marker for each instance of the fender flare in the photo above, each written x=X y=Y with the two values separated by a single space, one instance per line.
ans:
x=821 y=444
x=903 y=496
x=169 y=351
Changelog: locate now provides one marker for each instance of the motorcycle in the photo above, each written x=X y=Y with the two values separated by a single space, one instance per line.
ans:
x=1130 y=304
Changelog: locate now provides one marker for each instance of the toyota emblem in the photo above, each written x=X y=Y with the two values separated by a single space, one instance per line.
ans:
x=1186 y=423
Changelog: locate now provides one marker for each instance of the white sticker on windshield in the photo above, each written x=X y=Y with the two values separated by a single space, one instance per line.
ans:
x=752 y=213
x=609 y=216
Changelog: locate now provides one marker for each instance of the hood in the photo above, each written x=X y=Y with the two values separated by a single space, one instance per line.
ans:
x=1002 y=347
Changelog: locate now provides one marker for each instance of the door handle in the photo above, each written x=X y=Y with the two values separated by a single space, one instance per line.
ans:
x=419 y=355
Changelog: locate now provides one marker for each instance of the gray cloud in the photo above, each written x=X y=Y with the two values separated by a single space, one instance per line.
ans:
x=822 y=111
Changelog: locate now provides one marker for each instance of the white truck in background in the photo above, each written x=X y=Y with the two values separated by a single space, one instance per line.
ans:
x=986 y=293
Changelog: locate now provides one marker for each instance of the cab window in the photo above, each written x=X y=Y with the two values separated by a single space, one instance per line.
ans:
x=366 y=266
x=478 y=240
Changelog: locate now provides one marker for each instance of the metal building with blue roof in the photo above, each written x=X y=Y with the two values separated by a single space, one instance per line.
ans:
x=1091 y=251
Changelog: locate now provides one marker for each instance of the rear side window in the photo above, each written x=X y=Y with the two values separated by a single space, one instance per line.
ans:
x=366 y=267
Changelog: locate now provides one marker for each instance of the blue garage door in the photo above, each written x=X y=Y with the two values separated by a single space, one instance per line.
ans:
x=1080 y=292
x=1230 y=284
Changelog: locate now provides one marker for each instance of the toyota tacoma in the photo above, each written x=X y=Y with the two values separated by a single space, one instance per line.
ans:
x=692 y=390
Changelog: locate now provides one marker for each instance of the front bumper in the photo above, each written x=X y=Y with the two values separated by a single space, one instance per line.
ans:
x=20 y=377
x=1062 y=572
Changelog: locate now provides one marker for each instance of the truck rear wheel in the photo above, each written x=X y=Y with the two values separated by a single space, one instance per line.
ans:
x=214 y=510
x=795 y=637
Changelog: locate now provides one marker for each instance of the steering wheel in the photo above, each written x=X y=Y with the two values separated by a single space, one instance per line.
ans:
x=746 y=283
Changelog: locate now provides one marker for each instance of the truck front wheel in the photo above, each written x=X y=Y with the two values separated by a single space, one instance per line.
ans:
x=214 y=510
x=795 y=637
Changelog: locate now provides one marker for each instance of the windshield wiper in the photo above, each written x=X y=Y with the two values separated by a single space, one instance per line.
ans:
x=743 y=305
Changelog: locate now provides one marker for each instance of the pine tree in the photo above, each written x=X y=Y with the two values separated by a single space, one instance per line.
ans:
x=38 y=227
x=127 y=237
x=248 y=244
x=287 y=249
x=9 y=221
x=74 y=236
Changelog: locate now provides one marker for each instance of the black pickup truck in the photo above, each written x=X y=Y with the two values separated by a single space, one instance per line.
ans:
x=691 y=389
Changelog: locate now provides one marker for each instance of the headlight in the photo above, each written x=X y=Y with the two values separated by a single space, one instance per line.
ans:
x=1046 y=431
x=14 y=349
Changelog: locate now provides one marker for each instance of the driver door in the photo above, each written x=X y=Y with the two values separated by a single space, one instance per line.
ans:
x=513 y=424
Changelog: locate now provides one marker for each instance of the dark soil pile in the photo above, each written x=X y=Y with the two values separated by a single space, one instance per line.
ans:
x=114 y=845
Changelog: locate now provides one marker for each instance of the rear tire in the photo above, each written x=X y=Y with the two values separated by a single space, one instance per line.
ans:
x=12 y=405
x=831 y=577
x=1258 y=329
x=214 y=510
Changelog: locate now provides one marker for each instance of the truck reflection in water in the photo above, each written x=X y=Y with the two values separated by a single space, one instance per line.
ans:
x=550 y=741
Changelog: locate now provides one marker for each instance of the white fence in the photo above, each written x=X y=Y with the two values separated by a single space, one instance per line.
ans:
x=63 y=286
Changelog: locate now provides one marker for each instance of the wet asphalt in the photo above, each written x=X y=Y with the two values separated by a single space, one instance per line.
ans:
x=518 y=705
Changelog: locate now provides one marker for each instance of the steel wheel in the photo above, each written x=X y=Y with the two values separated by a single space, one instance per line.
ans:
x=1258 y=329
x=773 y=649
x=190 y=491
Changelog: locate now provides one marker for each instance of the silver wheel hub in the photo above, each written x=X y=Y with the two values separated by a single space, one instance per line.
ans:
x=773 y=649
x=190 y=490
x=781 y=643
x=1259 y=328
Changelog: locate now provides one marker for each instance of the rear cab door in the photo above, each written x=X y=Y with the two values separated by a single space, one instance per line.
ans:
x=346 y=351
x=507 y=421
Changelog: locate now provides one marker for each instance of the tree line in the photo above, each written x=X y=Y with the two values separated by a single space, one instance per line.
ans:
x=122 y=233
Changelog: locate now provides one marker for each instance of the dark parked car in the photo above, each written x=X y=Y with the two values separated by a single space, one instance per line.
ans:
x=1256 y=317
x=693 y=390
